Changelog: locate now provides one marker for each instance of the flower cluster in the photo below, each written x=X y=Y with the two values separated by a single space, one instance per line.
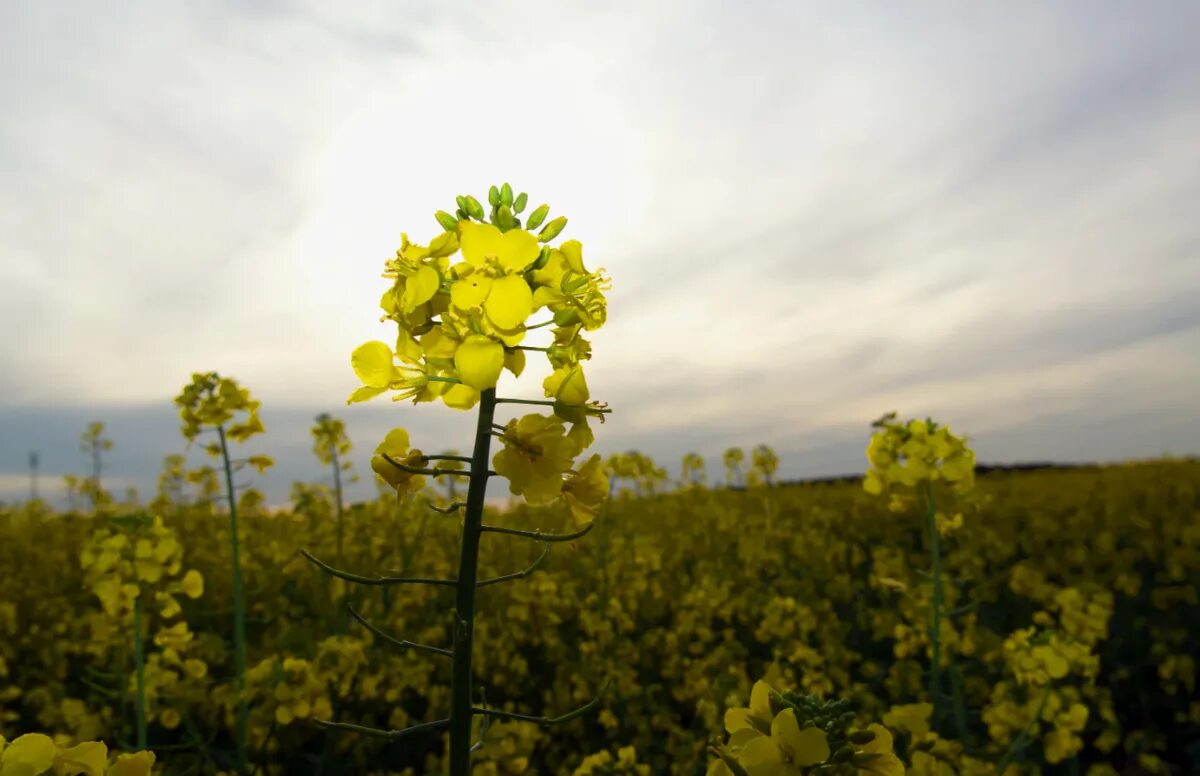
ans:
x=907 y=456
x=462 y=306
x=36 y=753
x=781 y=734
x=460 y=323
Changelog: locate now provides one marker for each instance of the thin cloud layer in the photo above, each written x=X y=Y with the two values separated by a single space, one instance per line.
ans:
x=811 y=214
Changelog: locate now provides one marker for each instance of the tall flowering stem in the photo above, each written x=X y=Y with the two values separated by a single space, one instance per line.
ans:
x=461 y=695
x=461 y=324
x=935 y=613
x=239 y=603
x=214 y=403
x=906 y=460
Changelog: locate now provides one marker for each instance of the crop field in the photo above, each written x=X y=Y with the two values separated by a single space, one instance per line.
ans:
x=1067 y=637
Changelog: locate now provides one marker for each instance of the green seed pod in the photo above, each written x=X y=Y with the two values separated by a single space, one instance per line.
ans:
x=568 y=316
x=861 y=737
x=519 y=202
x=551 y=230
x=448 y=222
x=504 y=218
x=474 y=208
x=538 y=216
x=493 y=196
x=506 y=195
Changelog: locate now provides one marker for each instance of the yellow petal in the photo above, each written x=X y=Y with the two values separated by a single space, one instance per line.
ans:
x=138 y=764
x=479 y=241
x=89 y=759
x=510 y=302
x=760 y=699
x=479 y=360
x=395 y=443
x=572 y=251
x=804 y=747
x=518 y=249
x=514 y=361
x=193 y=584
x=420 y=288
x=470 y=291
x=30 y=754
x=461 y=397
x=372 y=362
x=364 y=393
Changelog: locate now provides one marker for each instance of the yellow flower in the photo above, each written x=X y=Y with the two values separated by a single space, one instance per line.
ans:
x=757 y=716
x=877 y=756
x=192 y=584
x=479 y=361
x=513 y=250
x=138 y=764
x=567 y=385
x=786 y=751
x=28 y=755
x=87 y=759
x=536 y=454
x=395 y=446
x=586 y=489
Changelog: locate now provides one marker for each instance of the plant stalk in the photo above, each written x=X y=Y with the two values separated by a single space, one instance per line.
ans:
x=239 y=610
x=935 y=614
x=139 y=659
x=461 y=700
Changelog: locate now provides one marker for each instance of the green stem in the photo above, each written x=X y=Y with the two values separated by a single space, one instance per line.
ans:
x=468 y=573
x=139 y=659
x=1018 y=743
x=340 y=619
x=935 y=615
x=239 y=611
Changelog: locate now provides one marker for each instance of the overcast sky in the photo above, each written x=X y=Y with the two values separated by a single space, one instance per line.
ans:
x=812 y=214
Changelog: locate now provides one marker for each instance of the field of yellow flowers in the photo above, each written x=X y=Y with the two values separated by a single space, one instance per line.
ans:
x=918 y=619
x=678 y=601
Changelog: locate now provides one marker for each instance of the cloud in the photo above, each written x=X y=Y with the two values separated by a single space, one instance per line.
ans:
x=811 y=214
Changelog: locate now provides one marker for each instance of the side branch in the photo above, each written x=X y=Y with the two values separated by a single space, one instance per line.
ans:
x=362 y=580
x=447 y=510
x=540 y=536
x=399 y=643
x=517 y=574
x=423 y=470
x=391 y=735
x=544 y=722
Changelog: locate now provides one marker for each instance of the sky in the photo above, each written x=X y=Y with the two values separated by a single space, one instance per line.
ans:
x=812 y=213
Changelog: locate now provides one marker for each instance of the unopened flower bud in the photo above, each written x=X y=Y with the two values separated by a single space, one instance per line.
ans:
x=506 y=195
x=474 y=208
x=448 y=222
x=519 y=202
x=551 y=230
x=538 y=216
x=493 y=196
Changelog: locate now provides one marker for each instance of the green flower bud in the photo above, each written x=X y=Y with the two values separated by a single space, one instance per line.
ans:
x=506 y=195
x=493 y=196
x=462 y=215
x=538 y=216
x=568 y=316
x=842 y=755
x=461 y=201
x=542 y=258
x=861 y=737
x=474 y=208
x=551 y=230
x=448 y=222
x=519 y=202
x=504 y=218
